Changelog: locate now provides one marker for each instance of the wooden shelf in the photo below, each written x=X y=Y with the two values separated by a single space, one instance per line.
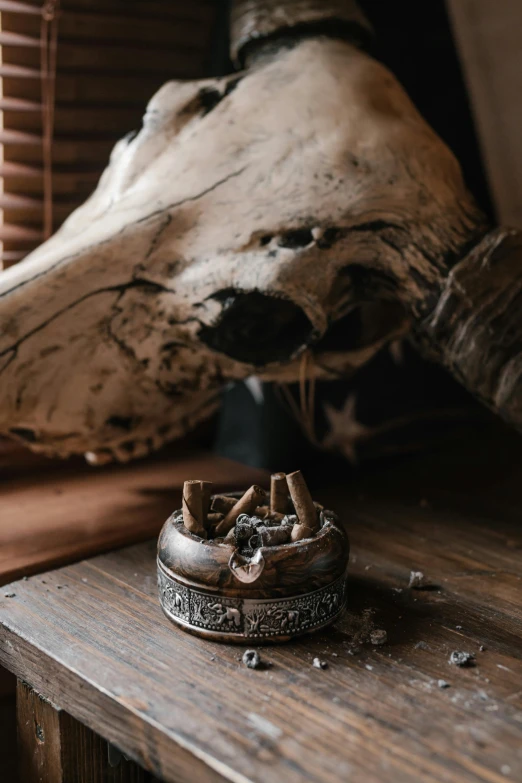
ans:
x=92 y=639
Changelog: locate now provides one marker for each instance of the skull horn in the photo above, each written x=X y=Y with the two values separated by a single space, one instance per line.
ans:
x=475 y=327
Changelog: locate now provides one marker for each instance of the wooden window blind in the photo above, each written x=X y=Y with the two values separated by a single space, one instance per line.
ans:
x=111 y=56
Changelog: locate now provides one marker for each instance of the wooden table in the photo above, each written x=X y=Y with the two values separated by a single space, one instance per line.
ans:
x=91 y=638
x=55 y=512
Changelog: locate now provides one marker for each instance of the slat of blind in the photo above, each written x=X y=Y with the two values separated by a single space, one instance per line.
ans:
x=17 y=39
x=21 y=234
x=27 y=172
x=69 y=151
x=112 y=57
x=200 y=10
x=28 y=211
x=11 y=136
x=11 y=257
x=19 y=104
x=120 y=58
x=24 y=105
x=19 y=8
x=112 y=90
x=8 y=69
x=77 y=120
x=17 y=201
x=81 y=25
x=28 y=180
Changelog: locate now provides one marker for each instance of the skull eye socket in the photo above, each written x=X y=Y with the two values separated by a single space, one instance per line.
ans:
x=298 y=237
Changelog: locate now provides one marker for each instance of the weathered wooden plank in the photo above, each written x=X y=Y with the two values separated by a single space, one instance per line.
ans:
x=92 y=638
x=55 y=748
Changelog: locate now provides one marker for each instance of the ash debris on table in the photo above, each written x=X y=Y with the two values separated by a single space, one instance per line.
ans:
x=252 y=659
x=9 y=595
x=362 y=630
x=317 y=663
x=462 y=659
x=442 y=684
x=378 y=636
x=420 y=582
x=416 y=579
x=359 y=627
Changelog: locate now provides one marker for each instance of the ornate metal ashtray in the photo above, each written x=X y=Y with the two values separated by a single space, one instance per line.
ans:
x=252 y=568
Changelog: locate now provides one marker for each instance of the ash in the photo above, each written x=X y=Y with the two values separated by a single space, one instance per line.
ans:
x=252 y=532
x=462 y=659
x=252 y=659
x=317 y=663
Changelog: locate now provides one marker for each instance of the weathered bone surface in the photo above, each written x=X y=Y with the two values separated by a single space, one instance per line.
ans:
x=249 y=219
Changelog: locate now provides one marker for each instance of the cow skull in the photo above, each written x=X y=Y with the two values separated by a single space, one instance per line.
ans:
x=302 y=204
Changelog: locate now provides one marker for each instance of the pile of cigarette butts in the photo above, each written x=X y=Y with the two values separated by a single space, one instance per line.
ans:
x=254 y=520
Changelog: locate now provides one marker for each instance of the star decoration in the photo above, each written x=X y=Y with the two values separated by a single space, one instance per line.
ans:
x=345 y=430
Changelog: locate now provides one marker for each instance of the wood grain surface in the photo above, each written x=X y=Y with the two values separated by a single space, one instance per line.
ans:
x=55 y=748
x=91 y=637
x=65 y=514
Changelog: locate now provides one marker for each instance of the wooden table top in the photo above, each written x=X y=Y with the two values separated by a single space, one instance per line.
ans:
x=63 y=512
x=91 y=637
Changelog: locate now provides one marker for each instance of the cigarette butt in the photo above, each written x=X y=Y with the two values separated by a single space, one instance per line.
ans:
x=273 y=536
x=206 y=492
x=308 y=519
x=301 y=531
x=262 y=511
x=193 y=508
x=222 y=503
x=252 y=498
x=278 y=493
x=213 y=519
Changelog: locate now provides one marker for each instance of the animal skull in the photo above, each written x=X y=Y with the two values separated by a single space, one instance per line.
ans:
x=302 y=204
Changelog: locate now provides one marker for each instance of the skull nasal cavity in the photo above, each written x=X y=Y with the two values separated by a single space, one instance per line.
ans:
x=257 y=329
